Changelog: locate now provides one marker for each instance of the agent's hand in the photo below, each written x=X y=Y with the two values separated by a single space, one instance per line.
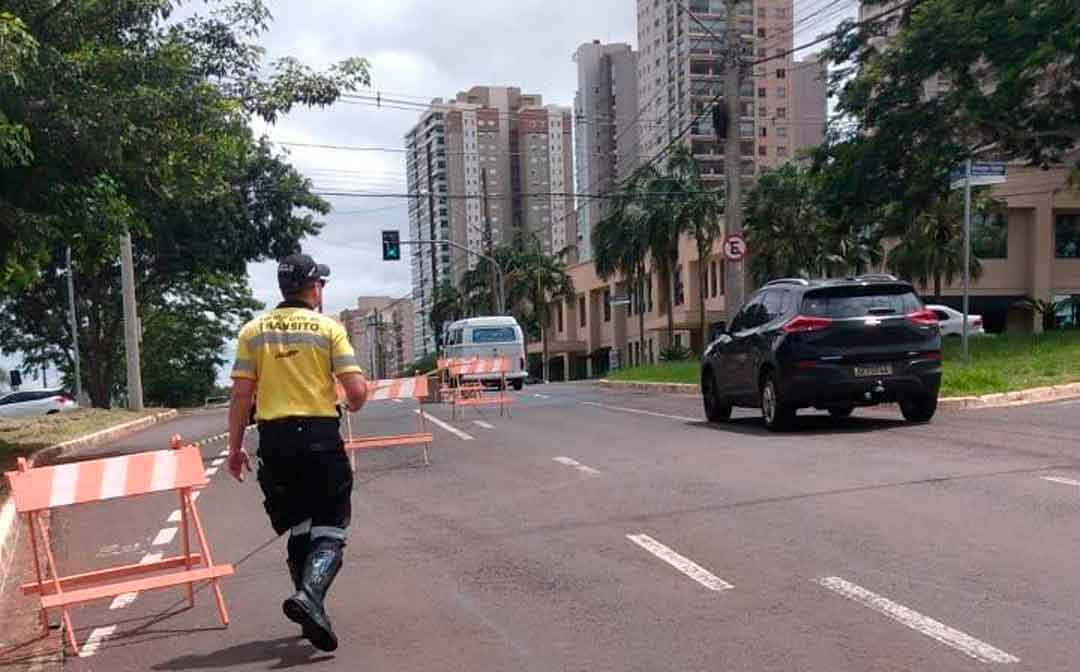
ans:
x=238 y=462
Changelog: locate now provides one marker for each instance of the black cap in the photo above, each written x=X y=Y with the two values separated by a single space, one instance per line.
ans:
x=295 y=271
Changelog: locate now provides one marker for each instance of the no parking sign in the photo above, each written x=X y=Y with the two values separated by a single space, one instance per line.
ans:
x=735 y=247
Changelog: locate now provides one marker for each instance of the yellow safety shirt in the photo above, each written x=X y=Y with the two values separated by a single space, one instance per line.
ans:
x=293 y=354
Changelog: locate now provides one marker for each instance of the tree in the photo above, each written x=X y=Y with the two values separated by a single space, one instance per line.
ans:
x=698 y=213
x=620 y=244
x=933 y=250
x=665 y=230
x=536 y=281
x=784 y=226
x=447 y=305
x=139 y=125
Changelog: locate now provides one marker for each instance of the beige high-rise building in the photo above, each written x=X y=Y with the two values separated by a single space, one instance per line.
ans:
x=809 y=83
x=606 y=124
x=492 y=165
x=381 y=331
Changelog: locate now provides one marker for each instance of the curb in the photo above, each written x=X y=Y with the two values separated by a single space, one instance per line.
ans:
x=7 y=506
x=1036 y=395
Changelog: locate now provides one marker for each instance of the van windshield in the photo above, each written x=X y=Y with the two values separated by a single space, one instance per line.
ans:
x=493 y=335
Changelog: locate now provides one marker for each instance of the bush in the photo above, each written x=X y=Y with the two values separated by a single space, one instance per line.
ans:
x=675 y=353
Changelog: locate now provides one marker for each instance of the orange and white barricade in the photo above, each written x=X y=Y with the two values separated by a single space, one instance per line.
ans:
x=473 y=393
x=40 y=490
x=389 y=390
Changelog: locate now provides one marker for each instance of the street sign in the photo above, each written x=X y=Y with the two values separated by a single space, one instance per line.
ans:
x=16 y=378
x=391 y=246
x=619 y=301
x=982 y=174
x=735 y=247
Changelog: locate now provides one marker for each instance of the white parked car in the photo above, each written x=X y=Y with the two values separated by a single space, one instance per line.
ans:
x=951 y=322
x=36 y=402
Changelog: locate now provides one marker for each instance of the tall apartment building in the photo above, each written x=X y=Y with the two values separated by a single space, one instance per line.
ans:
x=811 y=101
x=491 y=166
x=680 y=72
x=381 y=331
x=606 y=123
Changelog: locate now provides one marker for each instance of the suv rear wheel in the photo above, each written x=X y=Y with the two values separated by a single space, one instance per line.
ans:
x=715 y=411
x=777 y=413
x=919 y=409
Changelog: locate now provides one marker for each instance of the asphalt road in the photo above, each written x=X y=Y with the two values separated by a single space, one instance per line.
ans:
x=600 y=530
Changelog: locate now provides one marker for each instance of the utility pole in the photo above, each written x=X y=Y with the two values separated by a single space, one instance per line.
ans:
x=735 y=277
x=967 y=256
x=131 y=324
x=74 y=317
x=496 y=309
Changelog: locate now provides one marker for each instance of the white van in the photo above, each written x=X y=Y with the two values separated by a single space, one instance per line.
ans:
x=489 y=337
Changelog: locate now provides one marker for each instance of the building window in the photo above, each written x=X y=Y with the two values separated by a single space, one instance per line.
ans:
x=781 y=73
x=559 y=316
x=607 y=305
x=762 y=150
x=712 y=278
x=1067 y=237
x=763 y=111
x=781 y=131
x=761 y=92
x=680 y=289
x=648 y=296
x=764 y=131
x=761 y=32
x=761 y=12
x=781 y=92
x=581 y=310
x=990 y=235
x=781 y=151
x=781 y=113
x=781 y=12
x=762 y=53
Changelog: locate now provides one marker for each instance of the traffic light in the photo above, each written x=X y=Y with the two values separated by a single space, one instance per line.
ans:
x=391 y=246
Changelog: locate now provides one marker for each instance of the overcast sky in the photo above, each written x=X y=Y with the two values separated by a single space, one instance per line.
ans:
x=423 y=49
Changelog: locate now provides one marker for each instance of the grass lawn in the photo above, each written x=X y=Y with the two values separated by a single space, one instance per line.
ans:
x=998 y=364
x=22 y=436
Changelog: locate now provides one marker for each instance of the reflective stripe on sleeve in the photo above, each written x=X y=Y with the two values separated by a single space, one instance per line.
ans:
x=345 y=362
x=324 y=532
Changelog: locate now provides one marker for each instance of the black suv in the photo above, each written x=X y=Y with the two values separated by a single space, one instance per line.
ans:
x=826 y=344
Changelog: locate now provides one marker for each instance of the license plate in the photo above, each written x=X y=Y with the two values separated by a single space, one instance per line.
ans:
x=872 y=370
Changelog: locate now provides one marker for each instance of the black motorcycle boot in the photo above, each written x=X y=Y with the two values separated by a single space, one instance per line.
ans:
x=299 y=547
x=306 y=606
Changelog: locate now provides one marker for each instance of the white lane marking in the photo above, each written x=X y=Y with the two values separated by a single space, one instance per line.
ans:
x=542 y=396
x=577 y=465
x=684 y=565
x=638 y=411
x=218 y=462
x=961 y=642
x=195 y=495
x=399 y=401
x=164 y=536
x=210 y=471
x=175 y=516
x=448 y=427
x=1063 y=481
x=224 y=453
x=485 y=425
x=125 y=599
x=93 y=642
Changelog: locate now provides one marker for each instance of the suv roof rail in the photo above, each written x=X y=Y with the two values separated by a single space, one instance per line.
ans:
x=877 y=276
x=788 y=281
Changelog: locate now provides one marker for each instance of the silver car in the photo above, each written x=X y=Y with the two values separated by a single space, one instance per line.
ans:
x=36 y=402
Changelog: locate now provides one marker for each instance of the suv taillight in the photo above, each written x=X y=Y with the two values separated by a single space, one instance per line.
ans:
x=923 y=318
x=801 y=324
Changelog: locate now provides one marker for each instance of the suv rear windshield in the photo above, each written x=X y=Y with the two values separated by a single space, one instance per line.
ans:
x=841 y=302
x=493 y=335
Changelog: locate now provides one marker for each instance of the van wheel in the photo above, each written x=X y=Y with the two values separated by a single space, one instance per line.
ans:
x=518 y=383
x=776 y=412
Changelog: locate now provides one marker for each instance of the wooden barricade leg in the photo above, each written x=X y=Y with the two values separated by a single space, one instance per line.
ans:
x=56 y=582
x=185 y=530
x=208 y=559
x=43 y=614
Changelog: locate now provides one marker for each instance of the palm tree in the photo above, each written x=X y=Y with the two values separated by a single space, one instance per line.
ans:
x=621 y=245
x=933 y=248
x=698 y=212
x=784 y=227
x=536 y=281
x=665 y=229
x=447 y=305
